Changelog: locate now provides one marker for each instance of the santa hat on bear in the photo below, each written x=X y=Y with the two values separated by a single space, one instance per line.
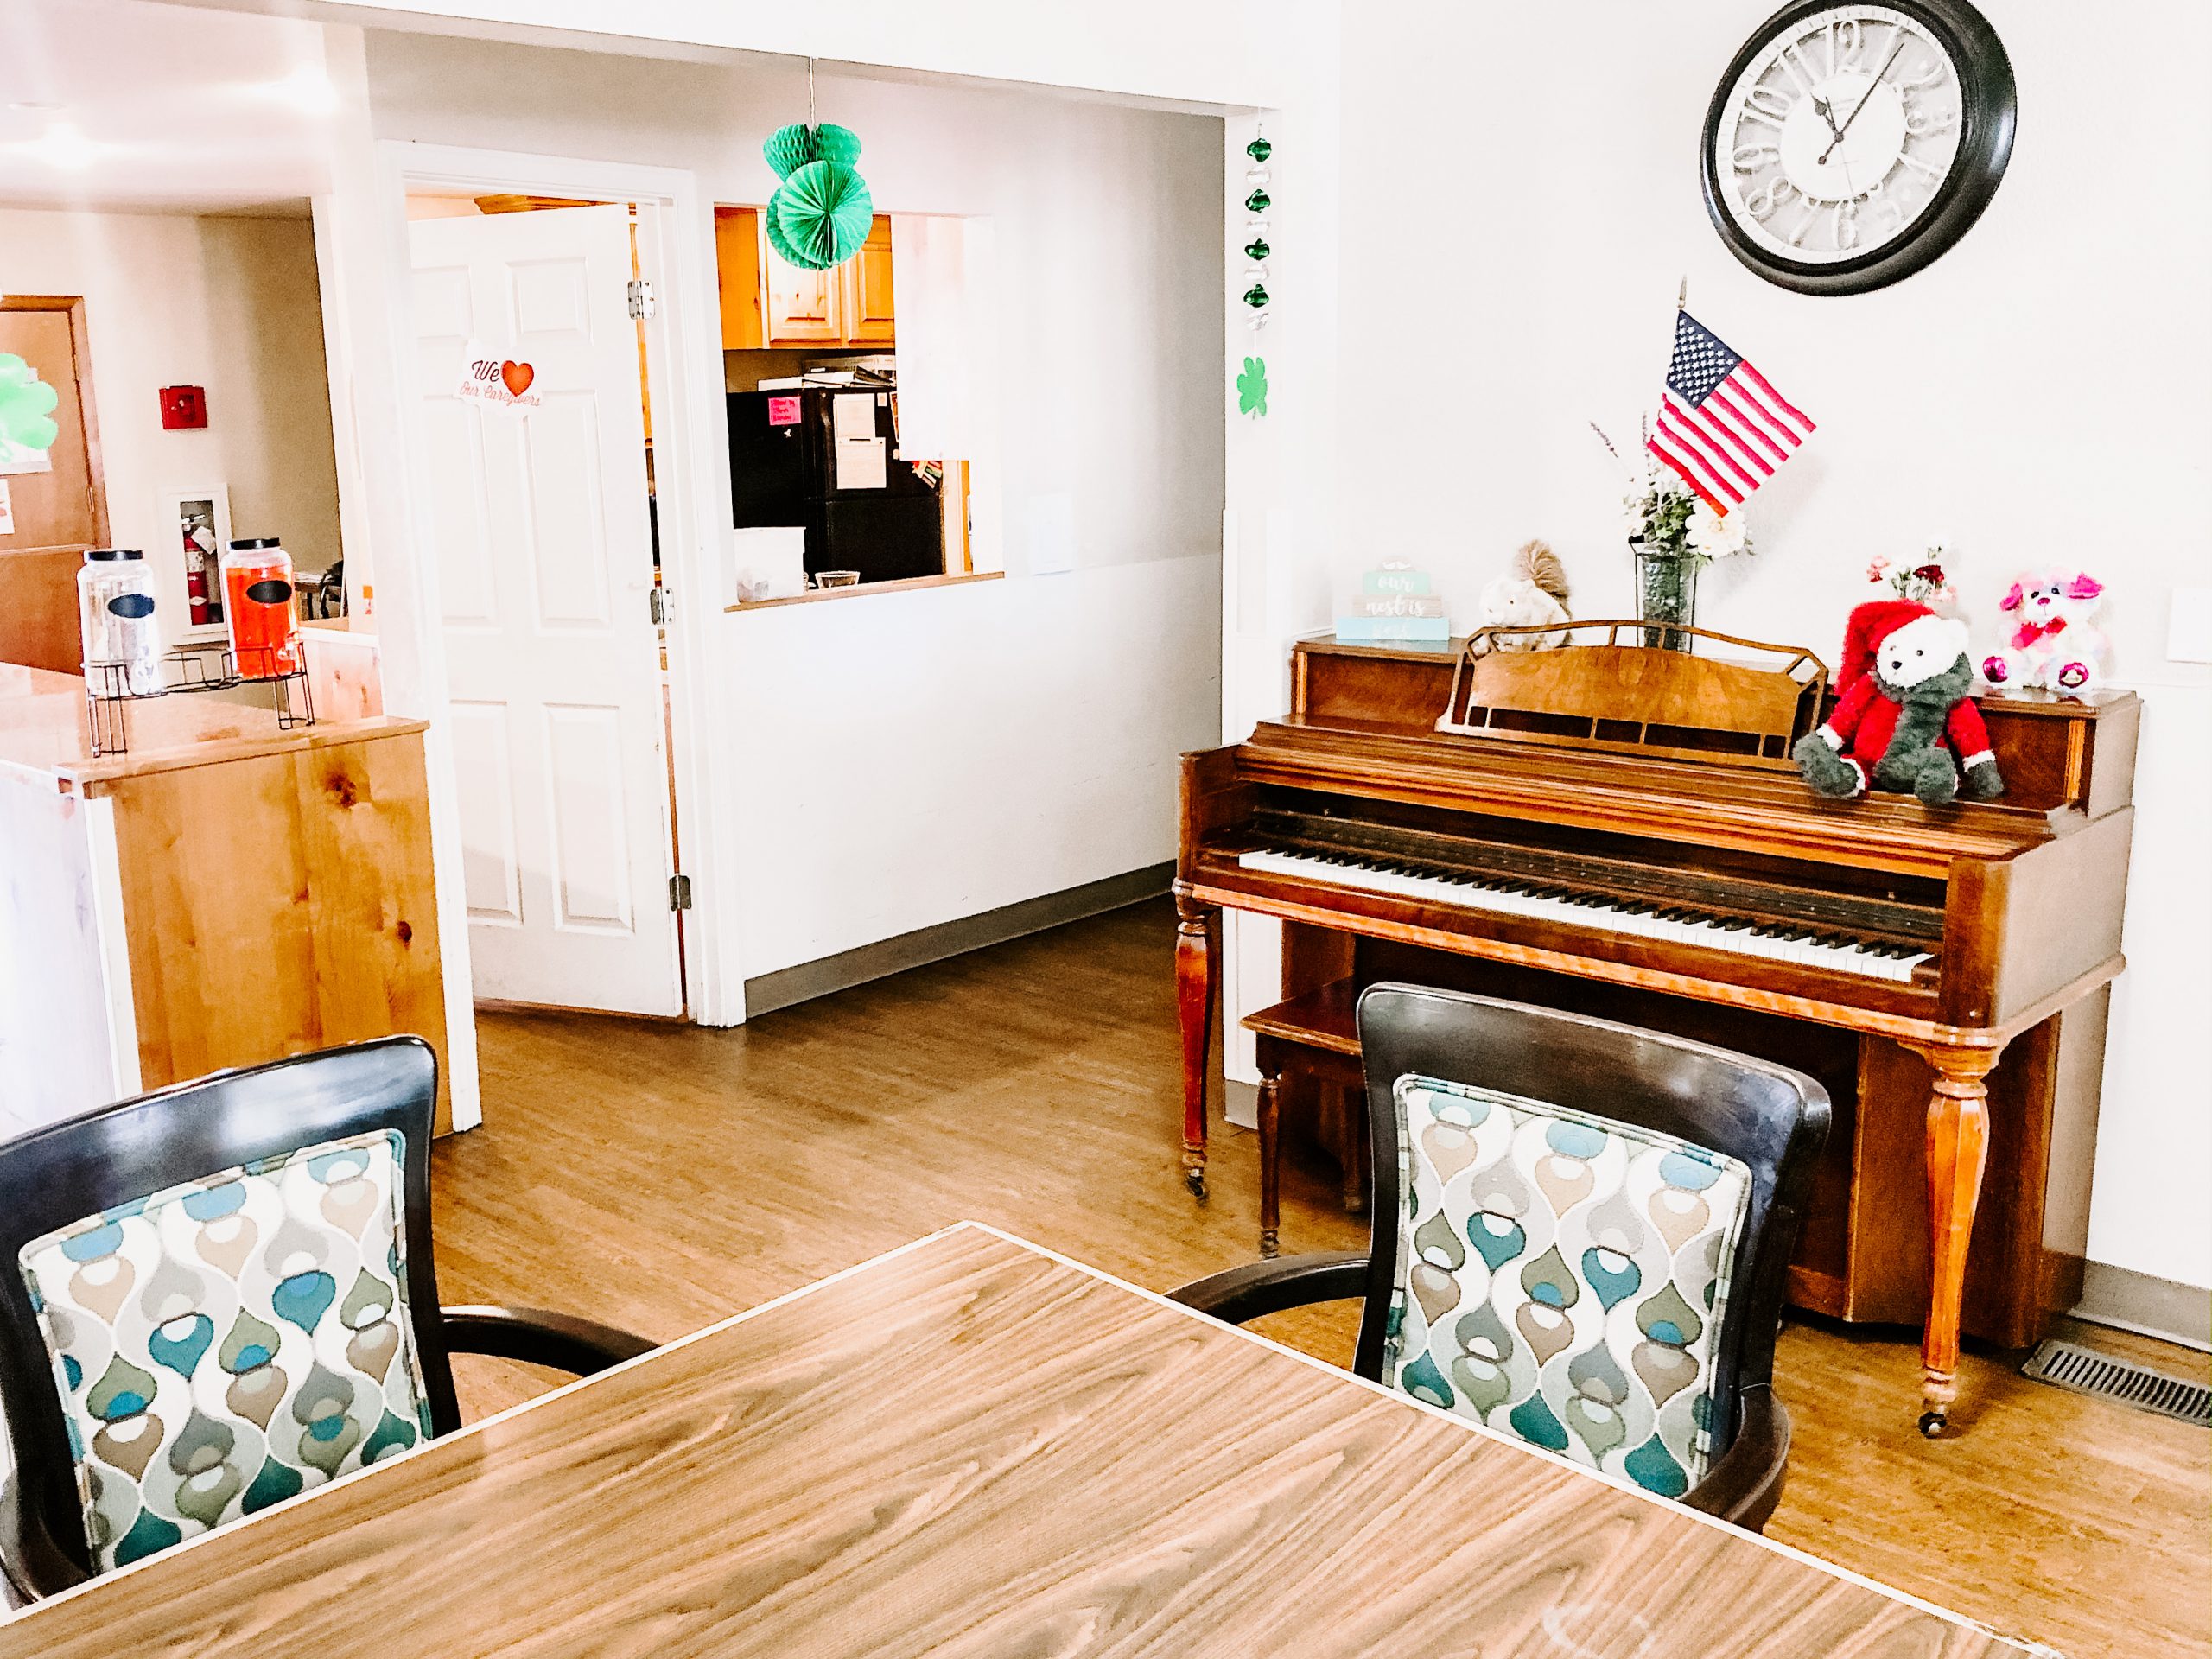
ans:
x=1870 y=624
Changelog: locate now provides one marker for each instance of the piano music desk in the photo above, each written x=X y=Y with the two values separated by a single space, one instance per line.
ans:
x=1985 y=1054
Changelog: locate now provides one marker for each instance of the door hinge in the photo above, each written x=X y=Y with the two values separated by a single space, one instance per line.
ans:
x=643 y=301
x=679 y=892
x=656 y=604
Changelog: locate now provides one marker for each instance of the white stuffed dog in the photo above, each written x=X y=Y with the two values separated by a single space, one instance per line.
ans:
x=1531 y=592
x=2051 y=645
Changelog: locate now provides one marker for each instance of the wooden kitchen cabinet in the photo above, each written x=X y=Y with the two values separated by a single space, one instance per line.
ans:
x=767 y=302
x=804 y=307
x=867 y=284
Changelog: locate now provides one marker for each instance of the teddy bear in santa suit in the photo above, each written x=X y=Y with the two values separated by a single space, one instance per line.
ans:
x=1904 y=720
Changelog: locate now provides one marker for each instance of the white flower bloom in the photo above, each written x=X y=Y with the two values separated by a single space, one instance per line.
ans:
x=1715 y=536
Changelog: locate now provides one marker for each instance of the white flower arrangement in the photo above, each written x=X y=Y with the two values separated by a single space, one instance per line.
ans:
x=1665 y=519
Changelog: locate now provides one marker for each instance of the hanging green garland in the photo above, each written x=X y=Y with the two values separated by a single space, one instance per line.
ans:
x=1252 y=383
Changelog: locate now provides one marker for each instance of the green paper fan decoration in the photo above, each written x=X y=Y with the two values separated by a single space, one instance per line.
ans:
x=27 y=405
x=778 y=241
x=824 y=212
x=834 y=144
x=790 y=148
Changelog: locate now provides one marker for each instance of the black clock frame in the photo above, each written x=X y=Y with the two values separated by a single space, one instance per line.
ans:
x=1989 y=111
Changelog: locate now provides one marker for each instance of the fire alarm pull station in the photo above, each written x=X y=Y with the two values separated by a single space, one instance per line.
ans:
x=183 y=408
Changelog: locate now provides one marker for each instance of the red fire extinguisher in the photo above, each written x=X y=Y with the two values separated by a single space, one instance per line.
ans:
x=196 y=578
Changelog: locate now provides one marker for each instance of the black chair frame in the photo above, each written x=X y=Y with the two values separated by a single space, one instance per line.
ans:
x=1771 y=1118
x=69 y=1171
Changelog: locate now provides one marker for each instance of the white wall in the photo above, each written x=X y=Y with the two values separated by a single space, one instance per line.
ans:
x=2037 y=395
x=997 y=741
x=943 y=752
x=225 y=303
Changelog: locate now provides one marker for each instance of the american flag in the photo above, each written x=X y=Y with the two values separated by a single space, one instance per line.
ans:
x=1722 y=426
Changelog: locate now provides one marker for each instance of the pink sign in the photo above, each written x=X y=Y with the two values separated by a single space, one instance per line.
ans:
x=783 y=412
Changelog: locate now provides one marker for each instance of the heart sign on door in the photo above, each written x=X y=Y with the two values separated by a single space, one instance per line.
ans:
x=494 y=379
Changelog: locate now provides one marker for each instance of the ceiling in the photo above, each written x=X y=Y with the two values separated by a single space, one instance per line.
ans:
x=124 y=105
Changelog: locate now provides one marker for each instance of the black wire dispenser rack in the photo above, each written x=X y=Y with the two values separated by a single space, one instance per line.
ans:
x=108 y=696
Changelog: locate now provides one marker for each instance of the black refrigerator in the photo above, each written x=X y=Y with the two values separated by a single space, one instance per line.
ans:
x=785 y=468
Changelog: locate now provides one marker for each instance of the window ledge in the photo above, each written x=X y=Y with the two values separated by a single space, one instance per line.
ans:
x=863 y=588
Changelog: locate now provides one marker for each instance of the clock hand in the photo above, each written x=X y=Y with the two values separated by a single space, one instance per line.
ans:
x=1821 y=107
x=1894 y=52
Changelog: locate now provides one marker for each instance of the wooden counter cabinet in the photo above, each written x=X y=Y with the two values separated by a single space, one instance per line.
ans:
x=222 y=894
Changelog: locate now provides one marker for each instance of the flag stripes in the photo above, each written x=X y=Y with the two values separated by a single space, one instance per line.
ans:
x=1722 y=428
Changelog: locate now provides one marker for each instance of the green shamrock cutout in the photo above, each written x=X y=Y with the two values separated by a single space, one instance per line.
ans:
x=1252 y=387
x=27 y=403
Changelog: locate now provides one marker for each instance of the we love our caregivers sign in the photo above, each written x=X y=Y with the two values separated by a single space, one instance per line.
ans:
x=492 y=380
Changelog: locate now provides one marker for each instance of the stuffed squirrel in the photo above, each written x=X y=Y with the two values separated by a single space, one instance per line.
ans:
x=1532 y=591
x=1904 y=721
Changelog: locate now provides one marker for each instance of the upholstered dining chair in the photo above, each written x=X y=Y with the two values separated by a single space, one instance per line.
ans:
x=222 y=1293
x=1581 y=1230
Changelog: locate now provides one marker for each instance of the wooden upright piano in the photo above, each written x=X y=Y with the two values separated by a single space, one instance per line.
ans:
x=1618 y=830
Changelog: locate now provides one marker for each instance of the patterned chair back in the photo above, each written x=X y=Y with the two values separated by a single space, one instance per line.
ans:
x=1581 y=1228
x=209 y=1308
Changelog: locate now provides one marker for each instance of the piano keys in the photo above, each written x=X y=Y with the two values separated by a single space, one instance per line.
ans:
x=1619 y=830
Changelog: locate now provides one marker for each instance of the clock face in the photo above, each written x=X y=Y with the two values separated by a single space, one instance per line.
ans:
x=1844 y=127
x=1850 y=143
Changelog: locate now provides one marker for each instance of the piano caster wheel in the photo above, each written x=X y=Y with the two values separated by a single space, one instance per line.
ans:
x=1270 y=1248
x=1196 y=1181
x=1932 y=1424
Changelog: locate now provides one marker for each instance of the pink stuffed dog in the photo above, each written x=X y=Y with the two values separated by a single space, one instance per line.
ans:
x=2051 y=644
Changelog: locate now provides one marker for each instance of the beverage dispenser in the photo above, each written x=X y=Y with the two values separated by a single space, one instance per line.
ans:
x=258 y=609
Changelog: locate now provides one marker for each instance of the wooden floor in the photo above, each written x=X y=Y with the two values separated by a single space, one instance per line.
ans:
x=660 y=1176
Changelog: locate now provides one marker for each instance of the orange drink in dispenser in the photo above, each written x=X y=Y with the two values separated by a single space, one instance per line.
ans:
x=257 y=608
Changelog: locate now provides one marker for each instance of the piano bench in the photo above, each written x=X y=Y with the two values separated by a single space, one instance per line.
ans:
x=1309 y=1044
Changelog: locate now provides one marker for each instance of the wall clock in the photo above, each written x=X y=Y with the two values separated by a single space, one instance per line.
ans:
x=1849 y=145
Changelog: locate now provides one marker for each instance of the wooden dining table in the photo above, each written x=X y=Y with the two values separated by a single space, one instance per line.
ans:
x=971 y=1447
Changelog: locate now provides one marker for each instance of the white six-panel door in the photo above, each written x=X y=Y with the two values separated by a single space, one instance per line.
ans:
x=545 y=573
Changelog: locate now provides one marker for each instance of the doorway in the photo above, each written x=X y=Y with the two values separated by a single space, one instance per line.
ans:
x=51 y=513
x=533 y=431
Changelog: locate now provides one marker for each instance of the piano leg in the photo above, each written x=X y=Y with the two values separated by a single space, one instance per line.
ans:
x=1958 y=1147
x=1197 y=969
x=1270 y=1166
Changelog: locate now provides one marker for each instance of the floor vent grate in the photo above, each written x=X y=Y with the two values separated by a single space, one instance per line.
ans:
x=2087 y=1372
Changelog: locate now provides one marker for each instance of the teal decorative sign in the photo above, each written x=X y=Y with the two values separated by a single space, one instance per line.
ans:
x=1252 y=387
x=27 y=427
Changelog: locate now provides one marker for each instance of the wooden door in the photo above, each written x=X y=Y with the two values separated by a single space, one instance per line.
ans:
x=866 y=279
x=59 y=512
x=545 y=578
x=804 y=307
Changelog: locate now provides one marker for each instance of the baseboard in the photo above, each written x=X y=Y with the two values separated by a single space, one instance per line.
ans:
x=789 y=986
x=2147 y=1304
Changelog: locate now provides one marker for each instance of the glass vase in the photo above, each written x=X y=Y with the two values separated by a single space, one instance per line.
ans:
x=1665 y=592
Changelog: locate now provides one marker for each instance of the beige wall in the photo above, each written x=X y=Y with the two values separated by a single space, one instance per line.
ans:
x=229 y=305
